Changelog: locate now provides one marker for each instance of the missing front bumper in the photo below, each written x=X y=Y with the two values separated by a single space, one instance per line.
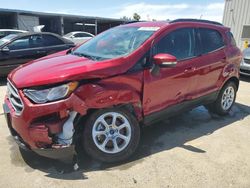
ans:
x=63 y=153
x=59 y=153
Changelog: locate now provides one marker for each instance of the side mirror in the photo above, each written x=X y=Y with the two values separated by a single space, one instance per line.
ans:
x=165 y=60
x=5 y=49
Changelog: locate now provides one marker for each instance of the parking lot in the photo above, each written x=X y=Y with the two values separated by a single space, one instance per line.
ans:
x=194 y=149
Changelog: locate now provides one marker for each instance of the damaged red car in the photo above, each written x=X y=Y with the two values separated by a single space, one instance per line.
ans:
x=100 y=94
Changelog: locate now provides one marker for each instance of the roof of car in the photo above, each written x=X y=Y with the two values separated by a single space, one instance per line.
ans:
x=79 y=32
x=75 y=32
x=15 y=30
x=44 y=33
x=148 y=24
x=165 y=23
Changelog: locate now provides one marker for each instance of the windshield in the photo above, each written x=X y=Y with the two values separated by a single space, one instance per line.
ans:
x=7 y=39
x=117 y=42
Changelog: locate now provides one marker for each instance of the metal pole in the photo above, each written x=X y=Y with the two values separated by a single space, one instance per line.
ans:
x=62 y=25
x=96 y=27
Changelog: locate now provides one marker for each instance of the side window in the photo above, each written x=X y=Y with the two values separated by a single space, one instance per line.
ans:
x=211 y=40
x=50 y=40
x=21 y=43
x=179 y=43
x=231 y=38
x=80 y=35
x=36 y=41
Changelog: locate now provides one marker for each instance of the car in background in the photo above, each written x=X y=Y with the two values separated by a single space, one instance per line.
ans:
x=78 y=37
x=17 y=49
x=245 y=63
x=6 y=32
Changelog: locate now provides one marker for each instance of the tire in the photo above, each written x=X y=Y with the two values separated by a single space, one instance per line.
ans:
x=101 y=133
x=219 y=107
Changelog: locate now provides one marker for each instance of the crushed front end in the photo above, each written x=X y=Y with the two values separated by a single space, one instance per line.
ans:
x=46 y=129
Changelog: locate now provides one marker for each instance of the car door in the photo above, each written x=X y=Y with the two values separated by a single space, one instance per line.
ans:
x=212 y=60
x=52 y=44
x=170 y=86
x=20 y=51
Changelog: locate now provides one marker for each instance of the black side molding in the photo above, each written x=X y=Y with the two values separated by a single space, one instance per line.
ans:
x=179 y=108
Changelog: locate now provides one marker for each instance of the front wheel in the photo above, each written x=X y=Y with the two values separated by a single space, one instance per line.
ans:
x=111 y=135
x=225 y=100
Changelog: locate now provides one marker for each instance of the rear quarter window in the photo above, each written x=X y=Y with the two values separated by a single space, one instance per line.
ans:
x=231 y=38
x=211 y=40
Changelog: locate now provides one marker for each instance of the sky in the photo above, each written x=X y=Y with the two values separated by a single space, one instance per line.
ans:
x=147 y=9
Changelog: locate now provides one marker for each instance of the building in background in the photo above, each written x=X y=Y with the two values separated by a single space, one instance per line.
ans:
x=55 y=23
x=237 y=17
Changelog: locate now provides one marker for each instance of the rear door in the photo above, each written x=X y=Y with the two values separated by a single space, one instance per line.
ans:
x=52 y=44
x=211 y=62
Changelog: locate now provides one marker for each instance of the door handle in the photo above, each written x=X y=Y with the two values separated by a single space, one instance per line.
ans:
x=189 y=69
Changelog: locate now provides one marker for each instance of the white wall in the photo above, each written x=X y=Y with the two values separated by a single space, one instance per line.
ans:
x=27 y=22
x=237 y=14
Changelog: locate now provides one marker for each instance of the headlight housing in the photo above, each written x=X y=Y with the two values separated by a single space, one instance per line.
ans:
x=41 y=96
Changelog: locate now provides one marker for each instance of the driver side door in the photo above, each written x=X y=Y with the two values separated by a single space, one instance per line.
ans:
x=170 y=86
x=21 y=51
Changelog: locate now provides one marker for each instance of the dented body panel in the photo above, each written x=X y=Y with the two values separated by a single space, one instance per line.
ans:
x=111 y=83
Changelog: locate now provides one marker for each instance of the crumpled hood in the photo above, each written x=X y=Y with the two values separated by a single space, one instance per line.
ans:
x=62 y=67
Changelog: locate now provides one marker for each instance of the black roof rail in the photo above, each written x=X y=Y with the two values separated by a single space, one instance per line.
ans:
x=196 y=20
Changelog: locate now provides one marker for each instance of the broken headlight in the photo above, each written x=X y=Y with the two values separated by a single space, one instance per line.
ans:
x=50 y=94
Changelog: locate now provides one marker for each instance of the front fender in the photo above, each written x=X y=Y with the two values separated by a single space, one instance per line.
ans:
x=107 y=93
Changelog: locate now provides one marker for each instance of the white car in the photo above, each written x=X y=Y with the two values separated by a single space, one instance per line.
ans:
x=78 y=37
x=6 y=32
x=245 y=63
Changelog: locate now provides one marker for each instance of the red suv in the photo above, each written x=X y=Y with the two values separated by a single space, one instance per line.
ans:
x=130 y=75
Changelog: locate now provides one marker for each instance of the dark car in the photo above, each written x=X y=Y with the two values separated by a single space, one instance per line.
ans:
x=17 y=49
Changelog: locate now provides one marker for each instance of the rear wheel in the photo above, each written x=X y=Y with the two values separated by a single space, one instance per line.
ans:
x=111 y=135
x=225 y=100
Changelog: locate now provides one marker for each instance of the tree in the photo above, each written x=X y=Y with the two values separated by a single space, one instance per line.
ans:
x=126 y=18
x=136 y=17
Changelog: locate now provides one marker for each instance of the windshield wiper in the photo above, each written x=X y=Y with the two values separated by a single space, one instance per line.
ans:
x=86 y=55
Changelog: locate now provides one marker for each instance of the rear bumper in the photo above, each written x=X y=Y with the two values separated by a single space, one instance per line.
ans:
x=245 y=68
x=245 y=72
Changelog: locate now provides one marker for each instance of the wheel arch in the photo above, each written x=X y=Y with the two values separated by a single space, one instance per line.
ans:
x=234 y=80
x=134 y=109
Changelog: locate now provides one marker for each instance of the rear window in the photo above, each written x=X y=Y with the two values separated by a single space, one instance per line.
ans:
x=211 y=40
x=82 y=35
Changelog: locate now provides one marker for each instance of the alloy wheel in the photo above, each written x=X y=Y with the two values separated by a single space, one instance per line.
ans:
x=228 y=98
x=111 y=132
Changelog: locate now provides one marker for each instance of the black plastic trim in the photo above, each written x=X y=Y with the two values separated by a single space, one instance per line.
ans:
x=179 y=108
x=196 y=20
